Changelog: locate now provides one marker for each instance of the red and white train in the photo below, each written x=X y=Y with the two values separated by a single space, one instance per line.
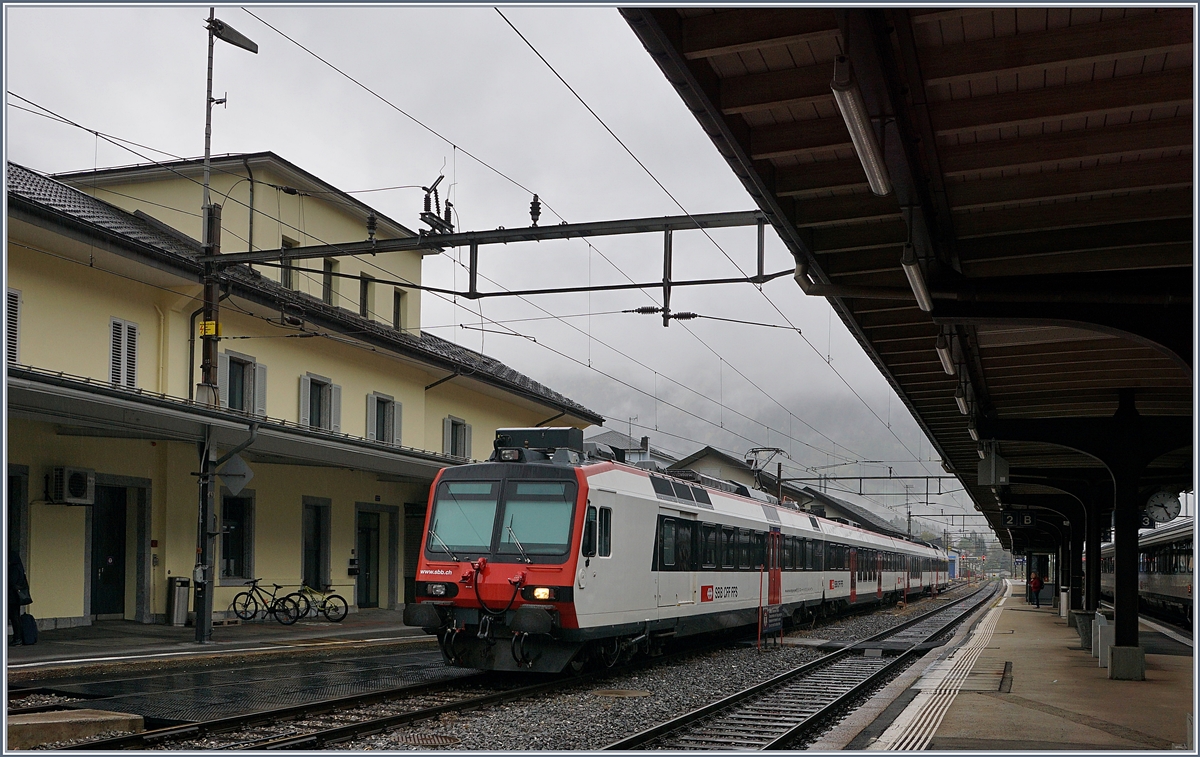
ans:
x=542 y=558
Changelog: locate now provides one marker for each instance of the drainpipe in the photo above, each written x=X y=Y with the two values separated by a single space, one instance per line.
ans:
x=250 y=231
x=162 y=351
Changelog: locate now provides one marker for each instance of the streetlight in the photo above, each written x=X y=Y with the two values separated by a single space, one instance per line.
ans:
x=206 y=391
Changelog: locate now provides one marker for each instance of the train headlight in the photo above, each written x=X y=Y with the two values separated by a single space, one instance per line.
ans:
x=543 y=593
x=437 y=590
x=510 y=455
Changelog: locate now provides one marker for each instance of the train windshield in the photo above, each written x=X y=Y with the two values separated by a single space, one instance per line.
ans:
x=536 y=518
x=463 y=515
x=532 y=519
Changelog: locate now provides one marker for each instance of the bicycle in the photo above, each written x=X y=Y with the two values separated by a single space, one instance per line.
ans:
x=246 y=604
x=333 y=606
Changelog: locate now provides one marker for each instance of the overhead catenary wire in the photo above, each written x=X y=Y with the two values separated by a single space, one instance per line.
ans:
x=718 y=246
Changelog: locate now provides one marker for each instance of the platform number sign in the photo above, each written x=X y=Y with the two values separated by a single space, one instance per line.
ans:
x=1020 y=520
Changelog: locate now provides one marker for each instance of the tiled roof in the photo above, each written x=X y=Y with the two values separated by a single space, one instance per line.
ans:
x=48 y=193
x=865 y=517
x=624 y=441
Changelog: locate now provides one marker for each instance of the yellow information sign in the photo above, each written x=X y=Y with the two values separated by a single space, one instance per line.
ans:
x=210 y=328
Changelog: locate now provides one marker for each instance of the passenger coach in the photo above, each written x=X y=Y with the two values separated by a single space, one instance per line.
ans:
x=542 y=558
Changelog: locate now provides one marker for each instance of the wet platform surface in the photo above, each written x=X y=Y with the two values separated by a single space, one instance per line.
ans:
x=1022 y=682
x=161 y=673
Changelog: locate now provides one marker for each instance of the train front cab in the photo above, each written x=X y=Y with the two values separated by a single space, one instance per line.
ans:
x=495 y=578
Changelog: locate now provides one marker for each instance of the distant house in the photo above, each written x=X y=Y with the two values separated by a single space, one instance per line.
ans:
x=636 y=451
x=836 y=508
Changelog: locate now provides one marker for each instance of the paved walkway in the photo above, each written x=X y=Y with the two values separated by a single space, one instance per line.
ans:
x=1022 y=682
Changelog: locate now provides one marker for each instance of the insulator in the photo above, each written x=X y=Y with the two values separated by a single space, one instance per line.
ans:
x=428 y=202
x=447 y=217
x=645 y=310
x=437 y=201
x=372 y=225
x=685 y=316
x=535 y=210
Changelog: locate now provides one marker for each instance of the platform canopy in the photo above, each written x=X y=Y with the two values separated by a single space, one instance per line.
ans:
x=1037 y=169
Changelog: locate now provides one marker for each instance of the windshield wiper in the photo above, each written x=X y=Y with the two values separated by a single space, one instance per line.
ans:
x=433 y=533
x=517 y=541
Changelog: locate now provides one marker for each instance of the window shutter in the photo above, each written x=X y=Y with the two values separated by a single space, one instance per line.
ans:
x=116 y=352
x=394 y=421
x=372 y=402
x=305 y=390
x=223 y=378
x=466 y=451
x=260 y=389
x=12 y=327
x=131 y=349
x=447 y=436
x=335 y=408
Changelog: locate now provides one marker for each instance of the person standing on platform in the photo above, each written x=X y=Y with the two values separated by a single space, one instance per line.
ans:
x=18 y=594
x=1035 y=588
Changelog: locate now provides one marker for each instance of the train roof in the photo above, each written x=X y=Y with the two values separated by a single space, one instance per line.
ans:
x=1180 y=528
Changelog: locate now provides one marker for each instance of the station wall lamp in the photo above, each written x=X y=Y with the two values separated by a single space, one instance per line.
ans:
x=854 y=111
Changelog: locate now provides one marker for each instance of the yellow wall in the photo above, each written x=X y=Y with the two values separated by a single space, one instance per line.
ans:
x=56 y=569
x=304 y=220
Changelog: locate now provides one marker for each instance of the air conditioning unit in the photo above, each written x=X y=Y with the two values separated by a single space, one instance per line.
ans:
x=72 y=486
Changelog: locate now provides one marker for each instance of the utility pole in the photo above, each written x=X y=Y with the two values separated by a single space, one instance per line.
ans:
x=779 y=479
x=206 y=392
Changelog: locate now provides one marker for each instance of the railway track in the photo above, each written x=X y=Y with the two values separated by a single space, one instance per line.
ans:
x=781 y=711
x=316 y=724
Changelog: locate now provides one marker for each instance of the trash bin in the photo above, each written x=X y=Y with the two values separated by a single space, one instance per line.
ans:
x=177 y=600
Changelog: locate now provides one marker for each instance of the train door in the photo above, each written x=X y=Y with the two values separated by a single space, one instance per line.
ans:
x=675 y=554
x=774 y=577
x=853 y=575
x=878 y=574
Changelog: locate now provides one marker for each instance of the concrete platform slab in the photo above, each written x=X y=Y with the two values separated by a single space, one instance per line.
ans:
x=1057 y=697
x=28 y=731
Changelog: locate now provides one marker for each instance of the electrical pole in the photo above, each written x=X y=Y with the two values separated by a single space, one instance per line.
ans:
x=779 y=479
x=206 y=392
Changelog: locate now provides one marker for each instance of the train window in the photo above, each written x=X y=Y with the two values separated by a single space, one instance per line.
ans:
x=536 y=518
x=588 y=547
x=701 y=496
x=796 y=558
x=666 y=542
x=708 y=537
x=682 y=491
x=684 y=533
x=606 y=532
x=464 y=513
x=728 y=548
x=759 y=555
x=662 y=486
x=743 y=549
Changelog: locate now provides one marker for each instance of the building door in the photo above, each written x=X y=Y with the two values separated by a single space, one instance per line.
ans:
x=414 y=537
x=368 y=559
x=108 y=551
x=316 y=535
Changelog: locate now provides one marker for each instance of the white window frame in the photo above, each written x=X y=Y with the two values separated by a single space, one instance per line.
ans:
x=366 y=297
x=399 y=308
x=329 y=288
x=331 y=404
x=451 y=436
x=248 y=538
x=257 y=386
x=395 y=413
x=122 y=361
x=12 y=326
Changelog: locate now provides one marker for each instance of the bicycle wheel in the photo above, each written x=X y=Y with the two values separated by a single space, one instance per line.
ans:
x=335 y=608
x=285 y=610
x=245 y=606
x=302 y=603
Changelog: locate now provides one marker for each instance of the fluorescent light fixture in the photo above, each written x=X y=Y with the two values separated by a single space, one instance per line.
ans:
x=943 y=350
x=960 y=396
x=916 y=280
x=974 y=432
x=854 y=111
x=982 y=452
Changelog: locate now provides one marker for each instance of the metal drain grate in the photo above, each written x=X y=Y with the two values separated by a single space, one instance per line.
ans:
x=621 y=693
x=429 y=739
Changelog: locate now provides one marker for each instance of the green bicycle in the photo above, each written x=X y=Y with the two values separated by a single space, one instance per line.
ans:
x=314 y=601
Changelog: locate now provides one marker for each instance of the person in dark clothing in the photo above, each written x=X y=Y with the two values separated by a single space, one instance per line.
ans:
x=1035 y=588
x=18 y=594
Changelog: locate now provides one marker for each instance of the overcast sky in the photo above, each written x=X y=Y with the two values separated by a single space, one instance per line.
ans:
x=138 y=74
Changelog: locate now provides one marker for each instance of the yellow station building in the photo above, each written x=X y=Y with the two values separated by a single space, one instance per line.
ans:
x=356 y=408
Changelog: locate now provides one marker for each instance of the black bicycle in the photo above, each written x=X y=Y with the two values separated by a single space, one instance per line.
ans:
x=246 y=604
